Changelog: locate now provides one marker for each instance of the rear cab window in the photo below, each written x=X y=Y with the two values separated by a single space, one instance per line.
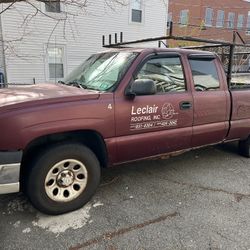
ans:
x=204 y=72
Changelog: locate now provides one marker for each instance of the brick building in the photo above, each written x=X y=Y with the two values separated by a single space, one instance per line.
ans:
x=211 y=19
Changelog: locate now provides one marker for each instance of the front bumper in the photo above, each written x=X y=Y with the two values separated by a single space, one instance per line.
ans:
x=10 y=163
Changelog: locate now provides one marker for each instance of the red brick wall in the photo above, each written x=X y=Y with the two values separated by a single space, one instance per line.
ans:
x=197 y=11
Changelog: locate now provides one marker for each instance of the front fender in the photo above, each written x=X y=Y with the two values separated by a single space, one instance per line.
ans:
x=31 y=133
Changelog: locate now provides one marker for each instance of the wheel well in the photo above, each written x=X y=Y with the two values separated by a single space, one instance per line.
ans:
x=89 y=138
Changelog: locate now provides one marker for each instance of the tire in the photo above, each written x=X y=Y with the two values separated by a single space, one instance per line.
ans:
x=244 y=148
x=62 y=178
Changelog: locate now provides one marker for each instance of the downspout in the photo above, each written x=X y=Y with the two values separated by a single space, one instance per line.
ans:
x=3 y=52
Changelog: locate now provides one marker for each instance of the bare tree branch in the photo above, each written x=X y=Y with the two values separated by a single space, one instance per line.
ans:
x=71 y=9
x=52 y=31
x=7 y=7
x=42 y=12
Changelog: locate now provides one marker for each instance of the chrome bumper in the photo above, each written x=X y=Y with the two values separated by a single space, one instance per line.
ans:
x=10 y=172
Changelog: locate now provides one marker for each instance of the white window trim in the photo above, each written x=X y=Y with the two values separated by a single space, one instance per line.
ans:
x=143 y=14
x=240 y=27
x=187 y=11
x=248 y=25
x=65 y=66
x=221 y=22
x=54 y=14
x=206 y=24
x=228 y=20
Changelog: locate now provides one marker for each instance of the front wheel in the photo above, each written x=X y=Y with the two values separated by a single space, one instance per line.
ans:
x=63 y=178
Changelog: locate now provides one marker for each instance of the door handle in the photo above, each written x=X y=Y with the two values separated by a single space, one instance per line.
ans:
x=185 y=105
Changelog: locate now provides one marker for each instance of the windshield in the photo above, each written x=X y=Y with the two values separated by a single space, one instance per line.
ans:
x=101 y=71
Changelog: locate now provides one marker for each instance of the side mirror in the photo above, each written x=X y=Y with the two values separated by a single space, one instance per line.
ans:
x=141 y=87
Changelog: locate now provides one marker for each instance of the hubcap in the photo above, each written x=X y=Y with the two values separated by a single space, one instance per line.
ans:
x=66 y=180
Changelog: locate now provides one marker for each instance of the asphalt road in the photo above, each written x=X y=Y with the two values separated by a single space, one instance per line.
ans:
x=198 y=200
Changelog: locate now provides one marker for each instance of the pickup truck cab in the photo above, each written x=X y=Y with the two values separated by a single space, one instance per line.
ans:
x=118 y=106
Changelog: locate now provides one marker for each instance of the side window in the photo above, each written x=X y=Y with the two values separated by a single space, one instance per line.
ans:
x=166 y=72
x=205 y=74
x=184 y=17
x=230 y=23
x=220 y=19
x=136 y=11
x=240 y=23
x=55 y=58
x=53 y=6
x=209 y=17
x=248 y=24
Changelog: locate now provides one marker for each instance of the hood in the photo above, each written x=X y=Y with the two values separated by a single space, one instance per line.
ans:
x=43 y=93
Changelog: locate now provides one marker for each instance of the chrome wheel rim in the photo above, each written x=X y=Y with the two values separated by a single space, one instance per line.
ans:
x=66 y=180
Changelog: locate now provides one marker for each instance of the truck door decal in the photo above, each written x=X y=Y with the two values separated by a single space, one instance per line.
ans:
x=151 y=117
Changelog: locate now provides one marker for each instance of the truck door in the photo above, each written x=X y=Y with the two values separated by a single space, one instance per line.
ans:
x=149 y=125
x=211 y=101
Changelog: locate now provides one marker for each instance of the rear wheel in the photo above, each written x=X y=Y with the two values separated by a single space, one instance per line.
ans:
x=62 y=178
x=244 y=147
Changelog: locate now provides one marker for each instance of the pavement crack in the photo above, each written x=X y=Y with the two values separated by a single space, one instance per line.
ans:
x=122 y=231
x=238 y=196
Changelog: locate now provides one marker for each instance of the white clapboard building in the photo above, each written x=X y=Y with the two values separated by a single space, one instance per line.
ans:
x=37 y=48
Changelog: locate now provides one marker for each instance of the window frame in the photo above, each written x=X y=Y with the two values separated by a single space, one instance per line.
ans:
x=63 y=8
x=131 y=13
x=181 y=16
x=248 y=24
x=220 y=21
x=210 y=24
x=231 y=14
x=242 y=21
x=161 y=55
x=64 y=60
x=197 y=57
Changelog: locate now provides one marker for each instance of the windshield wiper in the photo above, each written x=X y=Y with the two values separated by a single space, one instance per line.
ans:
x=75 y=84
x=62 y=82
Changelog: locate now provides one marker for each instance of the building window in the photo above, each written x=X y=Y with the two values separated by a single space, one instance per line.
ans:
x=169 y=20
x=209 y=17
x=53 y=6
x=56 y=62
x=184 y=17
x=248 y=24
x=136 y=11
x=230 y=23
x=220 y=19
x=240 y=22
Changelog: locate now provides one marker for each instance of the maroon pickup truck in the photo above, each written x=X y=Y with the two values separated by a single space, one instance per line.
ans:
x=118 y=106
